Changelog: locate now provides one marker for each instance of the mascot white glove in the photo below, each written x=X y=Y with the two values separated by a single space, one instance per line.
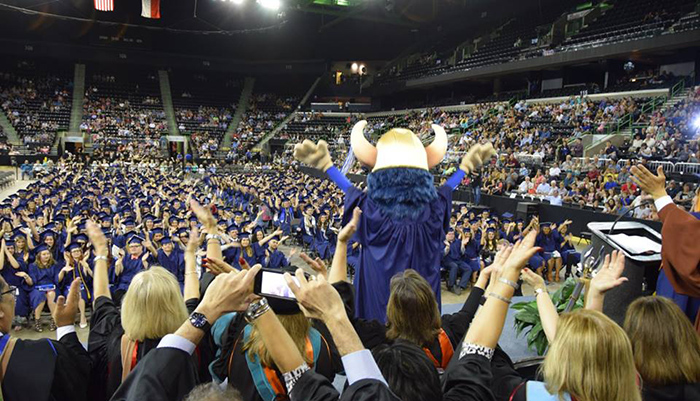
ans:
x=314 y=155
x=475 y=156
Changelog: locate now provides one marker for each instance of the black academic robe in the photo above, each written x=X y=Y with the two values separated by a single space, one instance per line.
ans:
x=165 y=374
x=104 y=346
x=43 y=370
x=312 y=386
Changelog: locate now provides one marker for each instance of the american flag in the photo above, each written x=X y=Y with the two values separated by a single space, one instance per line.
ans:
x=104 y=5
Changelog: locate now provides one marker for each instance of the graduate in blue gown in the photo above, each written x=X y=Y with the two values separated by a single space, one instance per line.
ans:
x=274 y=258
x=127 y=266
x=77 y=266
x=172 y=259
x=308 y=226
x=569 y=254
x=452 y=261
x=15 y=274
x=470 y=253
x=324 y=238
x=285 y=216
x=44 y=275
x=247 y=250
x=232 y=251
x=550 y=241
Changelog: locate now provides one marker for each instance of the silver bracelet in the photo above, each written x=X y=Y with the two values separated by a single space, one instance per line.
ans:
x=508 y=282
x=100 y=257
x=213 y=236
x=257 y=309
x=291 y=377
x=493 y=294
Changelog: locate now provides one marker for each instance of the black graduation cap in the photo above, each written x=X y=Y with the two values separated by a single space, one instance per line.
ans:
x=73 y=245
x=134 y=239
x=41 y=248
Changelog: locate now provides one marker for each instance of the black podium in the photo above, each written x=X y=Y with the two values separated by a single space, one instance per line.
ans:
x=642 y=270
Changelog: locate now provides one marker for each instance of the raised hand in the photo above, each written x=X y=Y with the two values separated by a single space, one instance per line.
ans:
x=535 y=280
x=346 y=232
x=193 y=242
x=217 y=266
x=654 y=185
x=608 y=276
x=317 y=265
x=314 y=155
x=521 y=252
x=97 y=238
x=203 y=214
x=67 y=308
x=316 y=298
x=229 y=292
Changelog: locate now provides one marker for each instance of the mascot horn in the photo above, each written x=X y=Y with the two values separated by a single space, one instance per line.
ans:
x=404 y=217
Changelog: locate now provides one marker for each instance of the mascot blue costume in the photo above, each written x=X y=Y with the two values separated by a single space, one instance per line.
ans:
x=404 y=217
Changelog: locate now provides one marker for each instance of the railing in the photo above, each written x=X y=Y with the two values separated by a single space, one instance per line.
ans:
x=679 y=87
x=628 y=119
x=669 y=167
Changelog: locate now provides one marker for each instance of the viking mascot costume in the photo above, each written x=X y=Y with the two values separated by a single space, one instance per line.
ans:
x=404 y=217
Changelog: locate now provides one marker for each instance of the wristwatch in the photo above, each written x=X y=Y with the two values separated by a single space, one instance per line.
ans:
x=538 y=291
x=199 y=321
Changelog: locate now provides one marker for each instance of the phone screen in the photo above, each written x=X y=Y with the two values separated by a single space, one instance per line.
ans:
x=273 y=284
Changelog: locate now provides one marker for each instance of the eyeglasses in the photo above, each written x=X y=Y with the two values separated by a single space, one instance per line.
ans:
x=14 y=290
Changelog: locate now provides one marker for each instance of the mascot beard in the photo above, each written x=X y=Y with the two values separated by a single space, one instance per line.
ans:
x=404 y=217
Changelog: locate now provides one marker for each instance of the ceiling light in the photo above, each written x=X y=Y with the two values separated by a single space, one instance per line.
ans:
x=270 y=4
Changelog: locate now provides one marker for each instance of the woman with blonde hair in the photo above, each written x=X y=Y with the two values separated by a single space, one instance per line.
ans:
x=590 y=357
x=666 y=349
x=152 y=307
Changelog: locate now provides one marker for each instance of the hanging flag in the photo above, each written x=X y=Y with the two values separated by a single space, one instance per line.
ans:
x=104 y=5
x=150 y=8
x=349 y=161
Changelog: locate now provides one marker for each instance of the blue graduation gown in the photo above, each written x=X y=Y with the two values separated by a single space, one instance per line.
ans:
x=252 y=259
x=174 y=263
x=322 y=243
x=392 y=246
x=131 y=268
x=277 y=260
x=231 y=256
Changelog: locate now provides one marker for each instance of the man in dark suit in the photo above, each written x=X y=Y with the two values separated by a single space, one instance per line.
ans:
x=42 y=370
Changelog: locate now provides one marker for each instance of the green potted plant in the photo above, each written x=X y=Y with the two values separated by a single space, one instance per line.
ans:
x=527 y=320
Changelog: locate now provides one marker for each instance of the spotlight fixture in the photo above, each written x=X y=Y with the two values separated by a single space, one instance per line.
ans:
x=270 y=4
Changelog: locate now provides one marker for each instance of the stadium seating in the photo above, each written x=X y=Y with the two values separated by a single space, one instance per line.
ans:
x=122 y=107
x=37 y=102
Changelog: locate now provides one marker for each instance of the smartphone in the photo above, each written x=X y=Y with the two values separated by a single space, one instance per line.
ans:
x=271 y=283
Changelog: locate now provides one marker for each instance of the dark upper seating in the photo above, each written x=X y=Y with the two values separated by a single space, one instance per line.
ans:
x=37 y=101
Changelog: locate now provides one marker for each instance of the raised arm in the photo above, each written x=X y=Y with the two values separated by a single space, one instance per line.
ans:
x=212 y=231
x=269 y=237
x=487 y=326
x=548 y=312
x=606 y=278
x=339 y=266
x=9 y=256
x=100 y=282
x=191 y=289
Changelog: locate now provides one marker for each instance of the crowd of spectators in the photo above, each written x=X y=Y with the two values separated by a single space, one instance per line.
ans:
x=206 y=126
x=119 y=113
x=265 y=112
x=36 y=105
